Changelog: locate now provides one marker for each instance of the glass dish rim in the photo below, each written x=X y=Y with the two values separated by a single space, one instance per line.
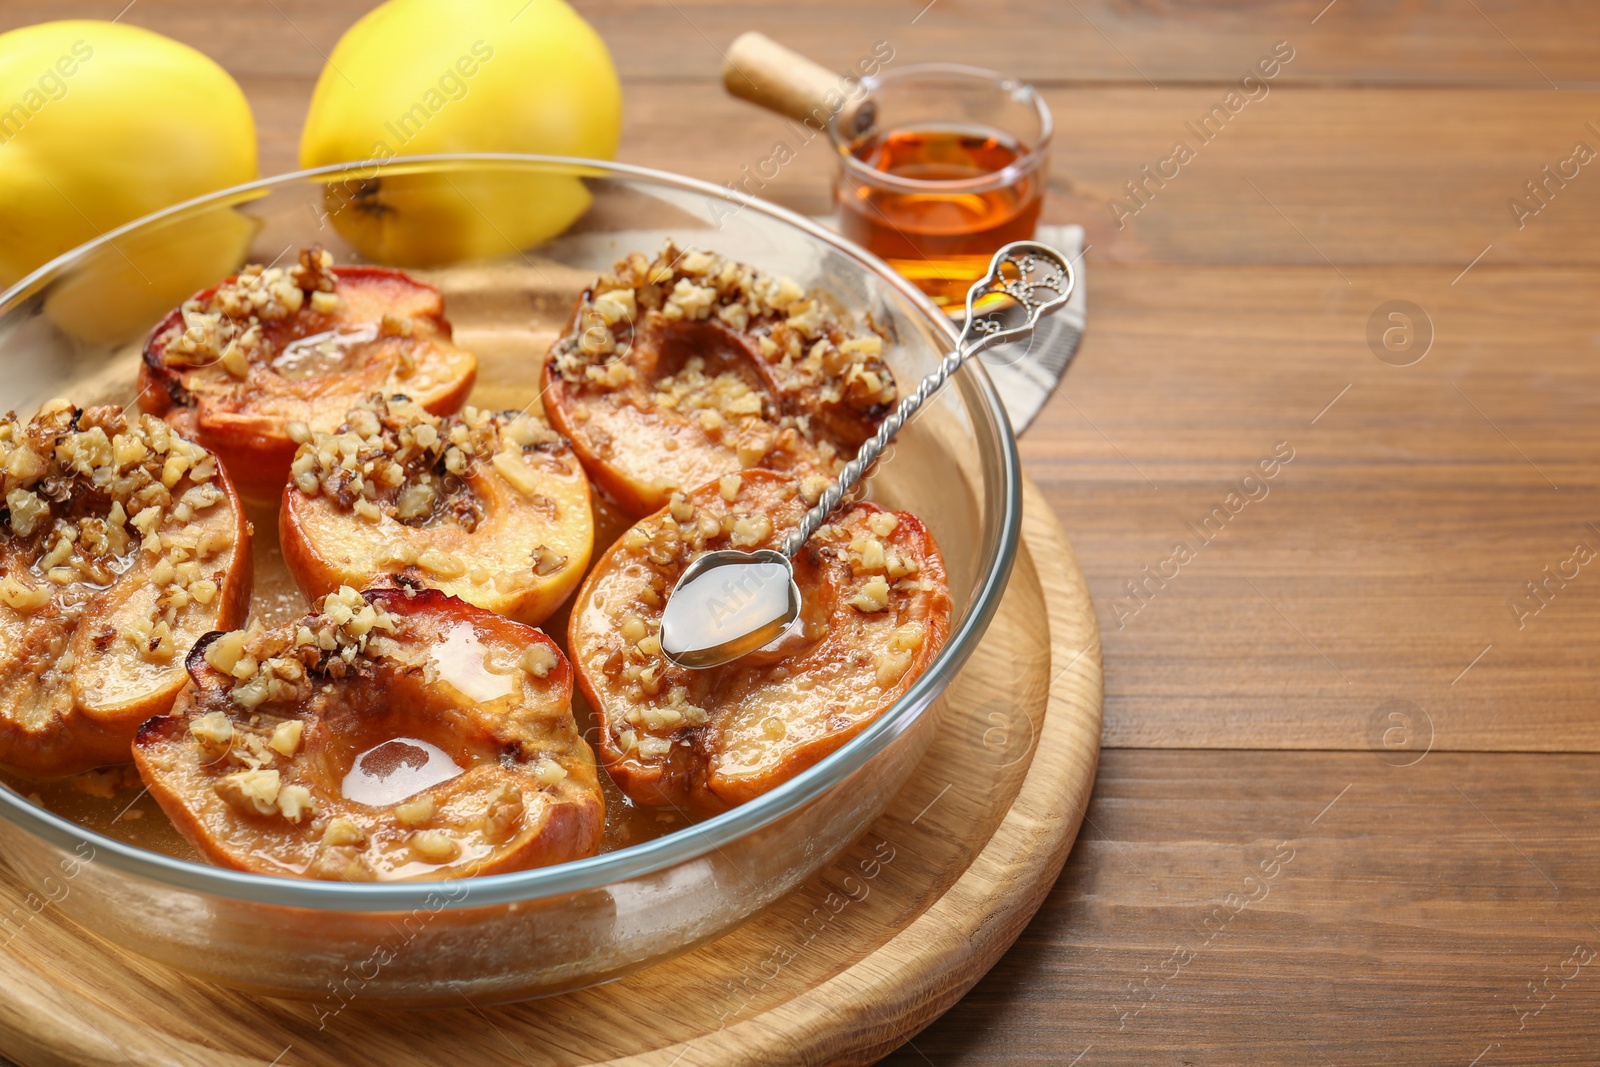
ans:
x=635 y=861
x=1011 y=173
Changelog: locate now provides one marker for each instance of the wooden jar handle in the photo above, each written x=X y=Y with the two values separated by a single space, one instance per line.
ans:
x=767 y=74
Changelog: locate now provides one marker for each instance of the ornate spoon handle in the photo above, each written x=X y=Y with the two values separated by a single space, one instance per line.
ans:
x=1027 y=280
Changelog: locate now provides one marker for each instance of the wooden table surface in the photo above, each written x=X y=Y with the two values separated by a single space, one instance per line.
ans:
x=1348 y=810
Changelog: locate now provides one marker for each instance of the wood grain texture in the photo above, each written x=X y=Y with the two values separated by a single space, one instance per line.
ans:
x=1499 y=42
x=1416 y=907
x=871 y=949
x=1334 y=178
x=1385 y=556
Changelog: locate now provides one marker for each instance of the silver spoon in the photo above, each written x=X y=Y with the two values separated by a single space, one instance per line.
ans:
x=729 y=603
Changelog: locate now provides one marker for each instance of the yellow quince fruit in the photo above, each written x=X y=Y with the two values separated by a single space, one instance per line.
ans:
x=100 y=124
x=418 y=77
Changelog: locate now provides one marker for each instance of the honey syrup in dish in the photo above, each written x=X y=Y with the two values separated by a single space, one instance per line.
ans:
x=463 y=661
x=399 y=768
x=738 y=606
x=324 y=353
x=939 y=240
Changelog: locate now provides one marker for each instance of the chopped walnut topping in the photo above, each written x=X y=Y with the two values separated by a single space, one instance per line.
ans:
x=813 y=486
x=503 y=816
x=794 y=331
x=891 y=666
x=546 y=561
x=214 y=731
x=750 y=531
x=343 y=831
x=286 y=737
x=226 y=651
x=539 y=660
x=22 y=598
x=295 y=804
x=417 y=811
x=874 y=595
x=27 y=509
x=867 y=555
x=251 y=791
x=654 y=747
x=226 y=327
x=266 y=667
x=909 y=638
x=87 y=493
x=444 y=565
x=314 y=272
x=516 y=472
x=549 y=772
x=392 y=459
x=882 y=523
x=432 y=846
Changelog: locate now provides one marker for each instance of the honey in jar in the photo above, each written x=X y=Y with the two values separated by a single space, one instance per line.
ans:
x=948 y=198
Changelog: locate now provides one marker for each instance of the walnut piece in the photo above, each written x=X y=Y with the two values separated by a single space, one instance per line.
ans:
x=226 y=327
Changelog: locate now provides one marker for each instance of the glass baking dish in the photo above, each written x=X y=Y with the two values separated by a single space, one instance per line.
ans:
x=75 y=327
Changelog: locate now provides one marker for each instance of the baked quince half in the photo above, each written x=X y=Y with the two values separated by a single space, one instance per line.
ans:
x=392 y=735
x=875 y=611
x=675 y=371
x=236 y=365
x=121 y=543
x=491 y=507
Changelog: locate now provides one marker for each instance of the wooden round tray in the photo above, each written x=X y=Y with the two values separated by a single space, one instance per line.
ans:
x=843 y=970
